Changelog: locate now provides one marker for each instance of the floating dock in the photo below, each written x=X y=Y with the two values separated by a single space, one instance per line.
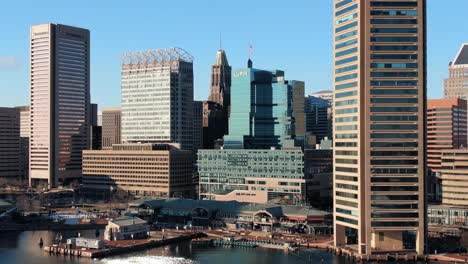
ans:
x=119 y=246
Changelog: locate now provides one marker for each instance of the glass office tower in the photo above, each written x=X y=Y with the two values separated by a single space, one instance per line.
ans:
x=379 y=128
x=266 y=110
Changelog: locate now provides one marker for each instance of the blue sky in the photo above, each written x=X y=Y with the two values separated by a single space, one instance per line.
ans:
x=294 y=36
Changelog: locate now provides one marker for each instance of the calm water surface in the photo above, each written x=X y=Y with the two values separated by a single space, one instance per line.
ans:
x=23 y=248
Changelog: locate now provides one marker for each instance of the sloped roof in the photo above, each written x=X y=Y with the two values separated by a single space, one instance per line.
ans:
x=221 y=58
x=462 y=56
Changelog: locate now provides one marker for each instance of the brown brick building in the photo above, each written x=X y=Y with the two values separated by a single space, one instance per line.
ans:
x=446 y=128
x=157 y=170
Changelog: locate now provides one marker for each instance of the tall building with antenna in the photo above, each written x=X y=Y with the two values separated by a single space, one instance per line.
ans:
x=217 y=109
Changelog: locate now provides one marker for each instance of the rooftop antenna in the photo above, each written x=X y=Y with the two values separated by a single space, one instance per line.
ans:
x=220 y=41
x=249 y=62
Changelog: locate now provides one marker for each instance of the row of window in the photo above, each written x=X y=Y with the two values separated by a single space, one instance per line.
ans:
x=394 y=144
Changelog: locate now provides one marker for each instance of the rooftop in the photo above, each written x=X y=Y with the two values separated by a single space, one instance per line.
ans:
x=462 y=55
x=128 y=221
x=221 y=58
x=156 y=56
x=232 y=206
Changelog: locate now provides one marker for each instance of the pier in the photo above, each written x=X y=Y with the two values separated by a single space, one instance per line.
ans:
x=120 y=246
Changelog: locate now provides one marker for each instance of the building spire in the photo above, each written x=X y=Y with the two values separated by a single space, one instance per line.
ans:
x=220 y=41
x=249 y=62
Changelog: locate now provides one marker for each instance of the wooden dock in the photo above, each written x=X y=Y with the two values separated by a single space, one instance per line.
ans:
x=119 y=247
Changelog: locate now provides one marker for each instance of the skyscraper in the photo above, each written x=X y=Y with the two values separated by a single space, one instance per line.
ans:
x=267 y=114
x=157 y=97
x=9 y=143
x=220 y=89
x=60 y=100
x=216 y=109
x=456 y=85
x=111 y=127
x=264 y=110
x=379 y=128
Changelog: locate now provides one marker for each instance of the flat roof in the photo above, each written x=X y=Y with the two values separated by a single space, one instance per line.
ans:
x=233 y=206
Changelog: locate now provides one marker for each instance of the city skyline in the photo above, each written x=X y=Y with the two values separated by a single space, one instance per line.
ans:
x=303 y=59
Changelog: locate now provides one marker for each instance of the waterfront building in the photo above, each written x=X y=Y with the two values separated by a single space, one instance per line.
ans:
x=158 y=170
x=379 y=129
x=111 y=127
x=318 y=117
x=59 y=106
x=252 y=175
x=126 y=228
x=446 y=129
x=220 y=89
x=25 y=127
x=157 y=97
x=10 y=145
x=266 y=110
x=447 y=215
x=235 y=215
x=453 y=174
x=456 y=85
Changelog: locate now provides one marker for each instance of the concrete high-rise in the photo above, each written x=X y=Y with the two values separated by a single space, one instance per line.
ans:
x=446 y=128
x=157 y=97
x=9 y=143
x=380 y=125
x=111 y=127
x=456 y=85
x=60 y=101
